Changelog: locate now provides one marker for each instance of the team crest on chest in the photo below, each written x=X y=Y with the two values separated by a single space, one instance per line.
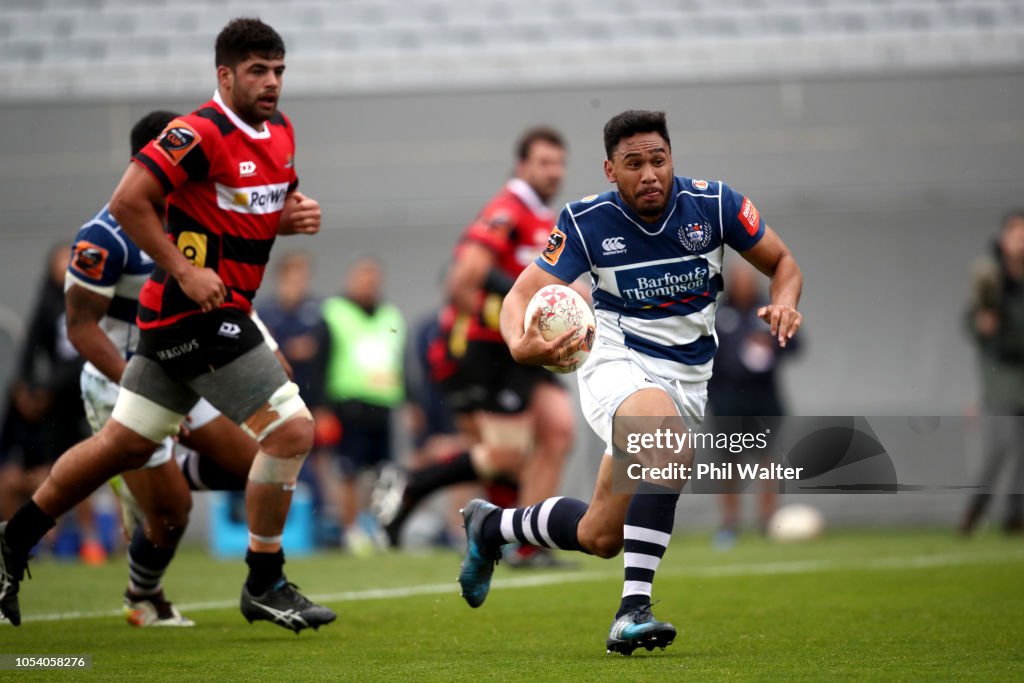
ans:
x=695 y=236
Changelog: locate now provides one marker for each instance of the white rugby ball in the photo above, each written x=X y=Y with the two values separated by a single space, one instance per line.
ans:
x=561 y=309
x=795 y=522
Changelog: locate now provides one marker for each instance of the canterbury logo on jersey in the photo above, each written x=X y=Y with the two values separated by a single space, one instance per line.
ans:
x=256 y=199
x=613 y=245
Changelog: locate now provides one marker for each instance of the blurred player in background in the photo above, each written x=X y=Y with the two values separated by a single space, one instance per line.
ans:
x=44 y=416
x=435 y=436
x=293 y=316
x=360 y=358
x=744 y=393
x=654 y=249
x=519 y=417
x=996 y=321
x=226 y=175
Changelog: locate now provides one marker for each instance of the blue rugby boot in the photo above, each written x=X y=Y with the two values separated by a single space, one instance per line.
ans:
x=636 y=629
x=478 y=565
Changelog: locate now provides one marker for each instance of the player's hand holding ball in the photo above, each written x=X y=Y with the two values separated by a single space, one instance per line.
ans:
x=559 y=330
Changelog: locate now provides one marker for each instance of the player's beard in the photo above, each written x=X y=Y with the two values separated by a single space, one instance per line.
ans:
x=252 y=113
x=546 y=189
x=545 y=194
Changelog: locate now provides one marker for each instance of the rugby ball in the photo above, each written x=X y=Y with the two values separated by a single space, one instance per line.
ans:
x=796 y=522
x=561 y=309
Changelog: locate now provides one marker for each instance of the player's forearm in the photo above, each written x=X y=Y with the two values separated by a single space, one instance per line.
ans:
x=84 y=309
x=513 y=311
x=93 y=344
x=787 y=282
x=465 y=281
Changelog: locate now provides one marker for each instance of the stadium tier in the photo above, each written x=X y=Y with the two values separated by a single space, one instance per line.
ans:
x=89 y=48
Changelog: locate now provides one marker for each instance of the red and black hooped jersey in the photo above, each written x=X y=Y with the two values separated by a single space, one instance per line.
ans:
x=226 y=185
x=514 y=226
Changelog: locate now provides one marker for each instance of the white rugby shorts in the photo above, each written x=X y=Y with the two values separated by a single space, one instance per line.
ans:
x=613 y=372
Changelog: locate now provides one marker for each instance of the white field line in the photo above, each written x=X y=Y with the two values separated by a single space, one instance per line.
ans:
x=563 y=577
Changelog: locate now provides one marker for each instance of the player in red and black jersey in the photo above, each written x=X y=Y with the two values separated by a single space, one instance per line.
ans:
x=510 y=230
x=226 y=175
x=520 y=416
x=226 y=184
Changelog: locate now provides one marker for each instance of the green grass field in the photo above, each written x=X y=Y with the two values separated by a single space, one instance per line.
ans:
x=894 y=605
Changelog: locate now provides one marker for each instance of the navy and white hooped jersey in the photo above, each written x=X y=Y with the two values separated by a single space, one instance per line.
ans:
x=655 y=285
x=106 y=261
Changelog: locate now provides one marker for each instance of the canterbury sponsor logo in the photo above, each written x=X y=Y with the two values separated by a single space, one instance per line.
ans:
x=255 y=199
x=613 y=245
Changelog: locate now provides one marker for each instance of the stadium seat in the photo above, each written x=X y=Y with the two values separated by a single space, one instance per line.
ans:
x=91 y=47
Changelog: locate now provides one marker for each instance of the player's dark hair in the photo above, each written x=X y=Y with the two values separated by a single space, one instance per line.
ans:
x=246 y=36
x=149 y=128
x=534 y=135
x=633 y=122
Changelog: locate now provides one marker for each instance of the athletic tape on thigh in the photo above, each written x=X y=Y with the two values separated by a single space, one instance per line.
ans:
x=266 y=469
x=144 y=417
x=282 y=405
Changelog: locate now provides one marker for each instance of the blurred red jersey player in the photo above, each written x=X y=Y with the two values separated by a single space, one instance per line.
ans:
x=519 y=417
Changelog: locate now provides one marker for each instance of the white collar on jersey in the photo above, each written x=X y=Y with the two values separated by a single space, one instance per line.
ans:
x=239 y=123
x=522 y=189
